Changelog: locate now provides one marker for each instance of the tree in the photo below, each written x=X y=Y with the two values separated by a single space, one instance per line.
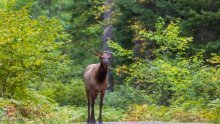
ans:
x=107 y=35
x=29 y=51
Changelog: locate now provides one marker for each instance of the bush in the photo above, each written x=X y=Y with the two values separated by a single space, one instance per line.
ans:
x=163 y=113
x=29 y=52
x=43 y=111
x=123 y=96
x=172 y=77
x=34 y=107
x=67 y=94
x=176 y=82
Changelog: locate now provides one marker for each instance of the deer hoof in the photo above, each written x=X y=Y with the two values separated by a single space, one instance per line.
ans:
x=93 y=121
x=89 y=121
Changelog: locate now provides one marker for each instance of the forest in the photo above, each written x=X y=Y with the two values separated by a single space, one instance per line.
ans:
x=165 y=64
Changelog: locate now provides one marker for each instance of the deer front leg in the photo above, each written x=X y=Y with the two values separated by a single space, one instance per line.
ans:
x=88 y=104
x=92 y=113
x=101 y=103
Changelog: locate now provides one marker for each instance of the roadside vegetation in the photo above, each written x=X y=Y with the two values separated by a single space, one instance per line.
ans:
x=166 y=60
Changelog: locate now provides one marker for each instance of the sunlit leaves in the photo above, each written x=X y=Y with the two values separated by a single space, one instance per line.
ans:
x=170 y=78
x=119 y=51
x=215 y=59
x=168 y=37
x=29 y=48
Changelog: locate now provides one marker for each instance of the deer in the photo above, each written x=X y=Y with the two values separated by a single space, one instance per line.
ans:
x=95 y=79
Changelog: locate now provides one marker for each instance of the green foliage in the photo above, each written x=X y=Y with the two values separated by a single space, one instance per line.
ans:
x=124 y=96
x=120 y=52
x=67 y=94
x=156 y=60
x=28 y=50
x=147 y=113
x=3 y=3
x=168 y=38
x=215 y=59
x=198 y=19
x=84 y=26
x=43 y=111
x=126 y=13
x=34 y=107
x=163 y=113
x=172 y=80
x=178 y=82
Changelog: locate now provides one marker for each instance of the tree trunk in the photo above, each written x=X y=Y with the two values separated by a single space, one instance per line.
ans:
x=107 y=35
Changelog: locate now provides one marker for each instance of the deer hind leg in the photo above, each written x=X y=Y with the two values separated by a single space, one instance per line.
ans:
x=88 y=104
x=101 y=103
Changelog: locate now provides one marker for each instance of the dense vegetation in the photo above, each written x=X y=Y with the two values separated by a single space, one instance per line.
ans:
x=166 y=57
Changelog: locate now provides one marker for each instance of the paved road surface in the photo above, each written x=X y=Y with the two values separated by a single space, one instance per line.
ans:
x=147 y=123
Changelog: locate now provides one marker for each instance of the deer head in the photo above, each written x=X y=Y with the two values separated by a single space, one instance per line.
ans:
x=104 y=57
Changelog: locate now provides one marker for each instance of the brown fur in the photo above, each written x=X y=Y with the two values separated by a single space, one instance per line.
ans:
x=95 y=79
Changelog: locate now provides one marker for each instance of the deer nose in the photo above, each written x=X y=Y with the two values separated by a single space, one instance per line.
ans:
x=105 y=61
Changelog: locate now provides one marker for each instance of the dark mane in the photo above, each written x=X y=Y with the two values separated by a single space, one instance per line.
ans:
x=102 y=73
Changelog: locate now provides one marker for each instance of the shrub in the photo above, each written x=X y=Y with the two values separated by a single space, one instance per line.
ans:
x=163 y=113
x=172 y=78
x=34 y=107
x=67 y=94
x=43 y=111
x=123 y=96
x=29 y=52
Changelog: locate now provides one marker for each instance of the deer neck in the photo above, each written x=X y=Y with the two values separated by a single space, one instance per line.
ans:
x=102 y=72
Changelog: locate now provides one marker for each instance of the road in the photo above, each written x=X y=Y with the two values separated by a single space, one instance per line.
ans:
x=147 y=123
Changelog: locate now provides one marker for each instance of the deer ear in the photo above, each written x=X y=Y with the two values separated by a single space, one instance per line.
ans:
x=97 y=53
